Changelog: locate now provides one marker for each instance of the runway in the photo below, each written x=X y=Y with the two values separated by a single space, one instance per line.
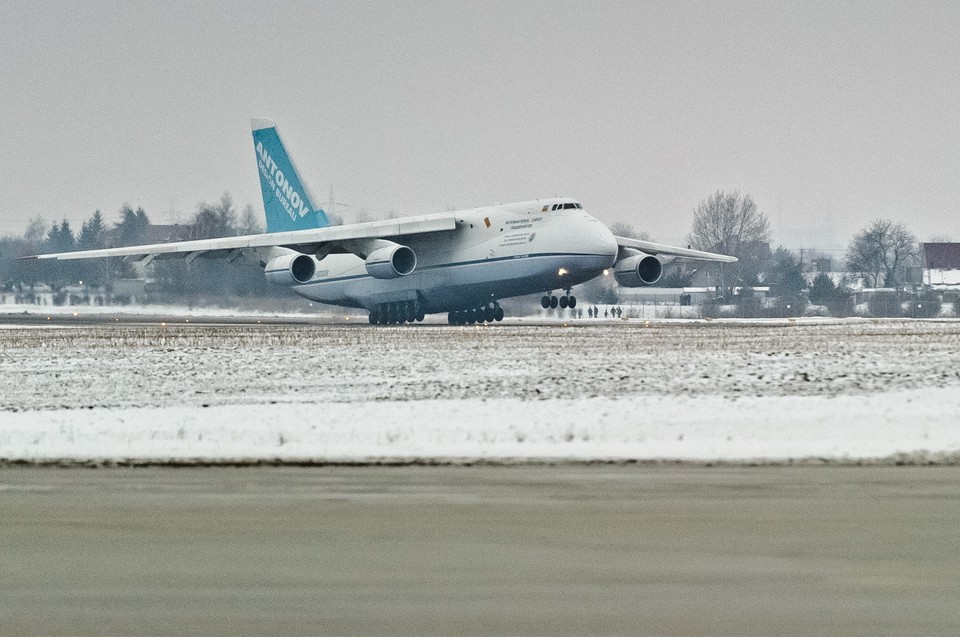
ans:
x=535 y=550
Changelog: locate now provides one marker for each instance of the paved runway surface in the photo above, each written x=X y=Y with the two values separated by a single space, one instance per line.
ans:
x=532 y=550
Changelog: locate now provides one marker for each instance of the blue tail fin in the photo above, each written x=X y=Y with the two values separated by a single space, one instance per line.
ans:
x=286 y=201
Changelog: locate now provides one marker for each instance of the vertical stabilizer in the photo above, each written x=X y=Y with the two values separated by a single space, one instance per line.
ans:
x=287 y=202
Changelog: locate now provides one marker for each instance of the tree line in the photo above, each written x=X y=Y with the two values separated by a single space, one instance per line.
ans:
x=726 y=222
x=172 y=279
x=878 y=256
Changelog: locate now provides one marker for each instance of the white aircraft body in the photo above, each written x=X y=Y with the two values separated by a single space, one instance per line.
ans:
x=400 y=270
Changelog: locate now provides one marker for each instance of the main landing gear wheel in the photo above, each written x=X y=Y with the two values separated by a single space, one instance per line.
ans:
x=486 y=314
x=397 y=313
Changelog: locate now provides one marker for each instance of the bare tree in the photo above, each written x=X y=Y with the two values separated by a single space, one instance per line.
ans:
x=624 y=229
x=36 y=230
x=731 y=223
x=215 y=220
x=250 y=221
x=363 y=216
x=881 y=253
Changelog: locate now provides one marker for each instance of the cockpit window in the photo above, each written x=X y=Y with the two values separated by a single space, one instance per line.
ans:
x=569 y=206
x=579 y=207
x=554 y=207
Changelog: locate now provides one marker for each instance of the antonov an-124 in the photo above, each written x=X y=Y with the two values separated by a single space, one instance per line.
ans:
x=399 y=270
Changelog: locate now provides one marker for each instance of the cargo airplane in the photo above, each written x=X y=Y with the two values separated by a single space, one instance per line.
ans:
x=399 y=270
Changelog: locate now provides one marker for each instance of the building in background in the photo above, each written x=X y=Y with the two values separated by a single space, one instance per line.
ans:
x=940 y=266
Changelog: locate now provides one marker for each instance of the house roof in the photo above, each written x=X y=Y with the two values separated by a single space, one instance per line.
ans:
x=941 y=256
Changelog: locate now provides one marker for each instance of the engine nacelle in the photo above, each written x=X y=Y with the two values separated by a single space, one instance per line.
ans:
x=290 y=269
x=391 y=262
x=635 y=271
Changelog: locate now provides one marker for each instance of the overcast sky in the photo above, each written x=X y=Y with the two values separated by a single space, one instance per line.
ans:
x=829 y=114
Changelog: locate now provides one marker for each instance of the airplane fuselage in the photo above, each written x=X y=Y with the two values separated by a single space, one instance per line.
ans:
x=493 y=253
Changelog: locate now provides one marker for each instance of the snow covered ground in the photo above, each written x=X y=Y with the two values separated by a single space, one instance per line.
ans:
x=663 y=390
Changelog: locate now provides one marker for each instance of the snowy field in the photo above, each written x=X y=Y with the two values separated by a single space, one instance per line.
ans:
x=701 y=391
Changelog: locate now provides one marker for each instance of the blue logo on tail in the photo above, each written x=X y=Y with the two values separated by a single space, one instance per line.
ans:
x=286 y=202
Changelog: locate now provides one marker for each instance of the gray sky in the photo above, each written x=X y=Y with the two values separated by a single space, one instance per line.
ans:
x=829 y=114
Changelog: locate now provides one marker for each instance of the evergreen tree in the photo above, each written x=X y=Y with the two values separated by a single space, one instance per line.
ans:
x=92 y=233
x=133 y=226
x=60 y=237
x=823 y=290
x=130 y=231
x=785 y=276
x=92 y=236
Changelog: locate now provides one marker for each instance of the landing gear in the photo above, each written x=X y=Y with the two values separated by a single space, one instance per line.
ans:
x=548 y=301
x=487 y=314
x=397 y=313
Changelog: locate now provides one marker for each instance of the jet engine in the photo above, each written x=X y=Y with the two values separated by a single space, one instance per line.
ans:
x=290 y=269
x=641 y=269
x=391 y=262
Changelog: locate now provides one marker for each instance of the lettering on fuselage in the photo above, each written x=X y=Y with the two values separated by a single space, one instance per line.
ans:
x=519 y=224
x=288 y=197
x=514 y=239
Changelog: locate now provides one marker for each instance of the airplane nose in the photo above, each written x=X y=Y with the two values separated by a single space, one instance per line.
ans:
x=610 y=244
x=592 y=237
x=604 y=242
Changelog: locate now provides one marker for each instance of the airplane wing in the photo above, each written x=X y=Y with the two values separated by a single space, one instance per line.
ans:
x=310 y=241
x=649 y=247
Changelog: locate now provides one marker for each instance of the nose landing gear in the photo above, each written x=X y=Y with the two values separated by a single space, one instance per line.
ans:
x=550 y=302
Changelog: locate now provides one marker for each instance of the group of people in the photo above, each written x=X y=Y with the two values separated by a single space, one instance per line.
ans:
x=594 y=312
x=612 y=312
